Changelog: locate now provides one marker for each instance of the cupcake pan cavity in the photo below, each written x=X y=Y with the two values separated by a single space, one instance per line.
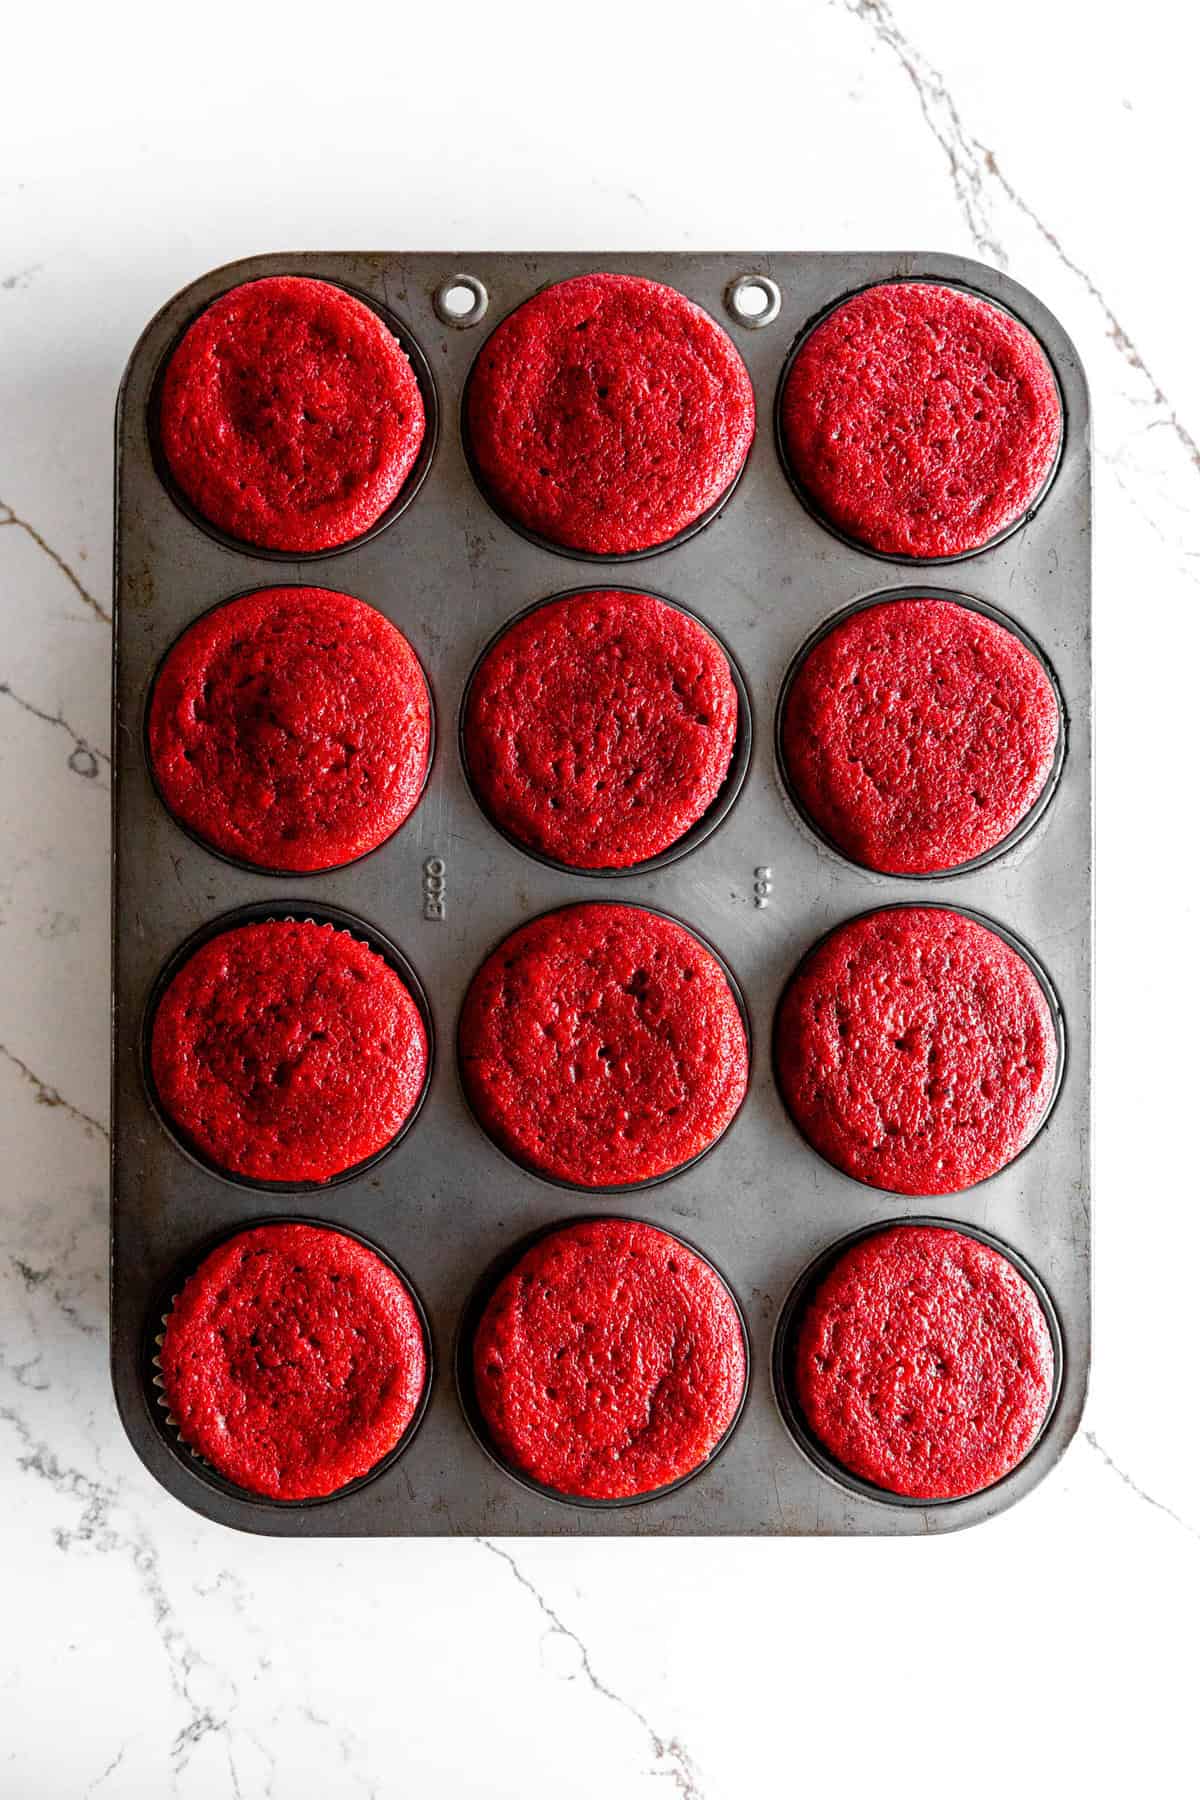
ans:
x=709 y=820
x=1044 y=981
x=167 y=1425
x=416 y=475
x=784 y=1348
x=599 y=1192
x=444 y=1203
x=988 y=289
x=464 y=1373
x=240 y=862
x=930 y=591
x=257 y=915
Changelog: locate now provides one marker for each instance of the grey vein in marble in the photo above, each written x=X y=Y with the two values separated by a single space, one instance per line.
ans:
x=85 y=758
x=1158 y=1505
x=9 y=516
x=20 y=278
x=34 y=1279
x=98 y=1528
x=678 y=1766
x=50 y=1096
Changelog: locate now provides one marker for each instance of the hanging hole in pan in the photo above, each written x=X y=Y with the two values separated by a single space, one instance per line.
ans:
x=753 y=301
x=461 y=301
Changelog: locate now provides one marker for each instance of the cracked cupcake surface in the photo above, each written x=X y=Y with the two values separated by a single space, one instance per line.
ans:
x=918 y=733
x=609 y=1361
x=921 y=420
x=609 y=413
x=293 y=1360
x=924 y=1363
x=290 y=417
x=916 y=1050
x=603 y=1045
x=287 y=1051
x=291 y=728
x=601 y=727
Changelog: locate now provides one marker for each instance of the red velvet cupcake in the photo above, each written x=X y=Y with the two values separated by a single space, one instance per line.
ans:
x=916 y=1050
x=291 y=728
x=924 y=1363
x=290 y=417
x=610 y=1361
x=293 y=1361
x=917 y=734
x=921 y=420
x=287 y=1051
x=601 y=727
x=609 y=413
x=602 y=1045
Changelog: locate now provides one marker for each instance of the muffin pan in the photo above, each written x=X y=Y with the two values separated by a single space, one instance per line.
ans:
x=444 y=1202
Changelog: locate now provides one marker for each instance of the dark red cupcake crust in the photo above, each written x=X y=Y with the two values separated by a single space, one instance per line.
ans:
x=610 y=1361
x=921 y=420
x=287 y=1051
x=608 y=413
x=601 y=727
x=293 y=1360
x=291 y=728
x=917 y=733
x=289 y=415
x=916 y=1050
x=602 y=1046
x=924 y=1363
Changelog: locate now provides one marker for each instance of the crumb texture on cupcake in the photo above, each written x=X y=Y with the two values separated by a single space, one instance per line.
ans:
x=290 y=417
x=610 y=1361
x=603 y=1045
x=291 y=728
x=293 y=1360
x=916 y=1050
x=609 y=413
x=287 y=1051
x=924 y=1363
x=921 y=420
x=918 y=733
x=601 y=727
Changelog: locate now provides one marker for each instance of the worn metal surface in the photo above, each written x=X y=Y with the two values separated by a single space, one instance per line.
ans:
x=446 y=1203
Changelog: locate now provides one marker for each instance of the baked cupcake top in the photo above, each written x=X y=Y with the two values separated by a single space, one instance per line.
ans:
x=924 y=1363
x=290 y=417
x=291 y=728
x=601 y=727
x=921 y=420
x=293 y=1360
x=608 y=413
x=918 y=733
x=287 y=1051
x=916 y=1050
x=602 y=1045
x=610 y=1361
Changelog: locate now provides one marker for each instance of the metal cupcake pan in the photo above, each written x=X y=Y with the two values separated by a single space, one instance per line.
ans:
x=444 y=1203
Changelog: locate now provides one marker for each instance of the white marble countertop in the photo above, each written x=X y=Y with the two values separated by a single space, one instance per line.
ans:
x=148 y=1653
